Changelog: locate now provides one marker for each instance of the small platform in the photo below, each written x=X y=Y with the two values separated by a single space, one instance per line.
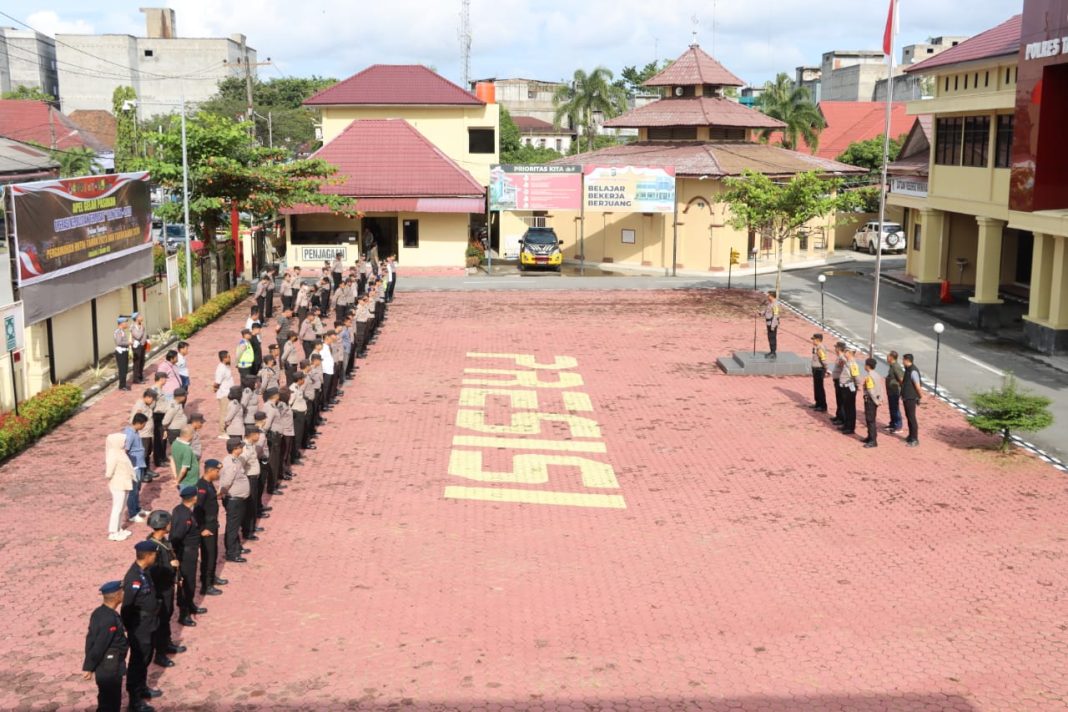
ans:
x=745 y=363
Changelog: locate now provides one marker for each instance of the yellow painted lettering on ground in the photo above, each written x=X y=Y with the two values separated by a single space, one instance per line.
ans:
x=523 y=379
x=563 y=499
x=476 y=397
x=528 y=444
x=528 y=361
x=531 y=469
x=527 y=423
x=577 y=402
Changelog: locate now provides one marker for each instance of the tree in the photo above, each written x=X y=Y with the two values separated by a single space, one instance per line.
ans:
x=869 y=153
x=780 y=209
x=584 y=97
x=793 y=106
x=28 y=93
x=226 y=168
x=124 y=109
x=77 y=161
x=1000 y=411
x=512 y=148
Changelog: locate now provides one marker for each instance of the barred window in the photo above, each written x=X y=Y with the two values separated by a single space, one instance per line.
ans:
x=976 y=141
x=948 y=133
x=1003 y=148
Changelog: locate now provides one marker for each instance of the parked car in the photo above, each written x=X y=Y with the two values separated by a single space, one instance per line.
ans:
x=867 y=238
x=539 y=247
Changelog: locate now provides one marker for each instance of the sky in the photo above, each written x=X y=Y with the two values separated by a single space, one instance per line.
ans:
x=540 y=39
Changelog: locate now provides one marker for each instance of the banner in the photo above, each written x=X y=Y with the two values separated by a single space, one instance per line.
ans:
x=63 y=226
x=630 y=189
x=535 y=187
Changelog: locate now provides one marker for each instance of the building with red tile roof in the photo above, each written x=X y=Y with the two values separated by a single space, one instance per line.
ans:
x=694 y=67
x=39 y=122
x=1000 y=41
x=850 y=121
x=395 y=85
x=98 y=123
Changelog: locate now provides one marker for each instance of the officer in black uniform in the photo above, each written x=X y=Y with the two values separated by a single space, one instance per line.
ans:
x=185 y=538
x=206 y=512
x=140 y=615
x=105 y=649
x=164 y=573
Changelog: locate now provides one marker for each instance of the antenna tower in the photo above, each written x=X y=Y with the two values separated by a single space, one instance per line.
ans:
x=465 y=40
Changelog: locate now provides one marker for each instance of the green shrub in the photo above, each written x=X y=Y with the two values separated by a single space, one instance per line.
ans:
x=37 y=416
x=15 y=434
x=1002 y=411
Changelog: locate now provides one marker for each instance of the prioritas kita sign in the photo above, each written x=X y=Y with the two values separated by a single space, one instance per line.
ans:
x=62 y=226
x=630 y=189
x=536 y=187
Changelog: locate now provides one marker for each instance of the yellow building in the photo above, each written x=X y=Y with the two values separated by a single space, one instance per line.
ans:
x=987 y=210
x=415 y=151
x=705 y=137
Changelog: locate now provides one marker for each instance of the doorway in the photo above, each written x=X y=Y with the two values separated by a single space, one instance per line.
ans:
x=385 y=231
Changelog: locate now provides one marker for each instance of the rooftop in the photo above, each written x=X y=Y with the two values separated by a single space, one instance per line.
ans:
x=21 y=162
x=693 y=67
x=41 y=123
x=101 y=124
x=395 y=85
x=694 y=111
x=714 y=160
x=529 y=124
x=998 y=41
x=849 y=121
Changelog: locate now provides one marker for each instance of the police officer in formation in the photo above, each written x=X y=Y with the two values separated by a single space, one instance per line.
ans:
x=105 y=649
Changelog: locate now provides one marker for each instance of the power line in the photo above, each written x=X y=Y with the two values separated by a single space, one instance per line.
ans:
x=90 y=72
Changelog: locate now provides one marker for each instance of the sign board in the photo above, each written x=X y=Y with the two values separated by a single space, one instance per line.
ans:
x=630 y=189
x=63 y=226
x=535 y=187
x=325 y=253
x=14 y=326
x=916 y=187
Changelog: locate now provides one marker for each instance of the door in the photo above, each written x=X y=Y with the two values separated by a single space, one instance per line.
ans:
x=411 y=234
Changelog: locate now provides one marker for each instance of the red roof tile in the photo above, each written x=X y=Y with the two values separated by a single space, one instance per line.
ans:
x=694 y=111
x=528 y=124
x=849 y=121
x=389 y=158
x=101 y=124
x=716 y=160
x=35 y=122
x=394 y=85
x=995 y=42
x=695 y=66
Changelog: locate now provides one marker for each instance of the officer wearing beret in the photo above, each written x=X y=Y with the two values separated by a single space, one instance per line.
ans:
x=206 y=512
x=185 y=539
x=105 y=649
x=140 y=615
x=164 y=574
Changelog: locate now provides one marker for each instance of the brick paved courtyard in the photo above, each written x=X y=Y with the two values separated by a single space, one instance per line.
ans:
x=684 y=541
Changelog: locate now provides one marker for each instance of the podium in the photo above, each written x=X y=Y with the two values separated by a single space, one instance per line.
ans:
x=746 y=363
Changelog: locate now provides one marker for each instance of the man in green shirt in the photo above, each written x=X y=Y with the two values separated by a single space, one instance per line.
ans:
x=184 y=465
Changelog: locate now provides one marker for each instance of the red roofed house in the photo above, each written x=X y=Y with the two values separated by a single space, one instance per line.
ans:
x=849 y=121
x=41 y=123
x=542 y=134
x=415 y=151
x=704 y=137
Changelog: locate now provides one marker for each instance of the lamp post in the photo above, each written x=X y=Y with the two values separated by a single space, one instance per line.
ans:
x=822 y=279
x=753 y=256
x=938 y=329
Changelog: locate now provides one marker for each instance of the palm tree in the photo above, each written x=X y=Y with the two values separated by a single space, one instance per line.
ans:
x=77 y=161
x=793 y=106
x=585 y=96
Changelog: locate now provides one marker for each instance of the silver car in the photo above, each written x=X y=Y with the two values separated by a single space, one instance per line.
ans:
x=867 y=238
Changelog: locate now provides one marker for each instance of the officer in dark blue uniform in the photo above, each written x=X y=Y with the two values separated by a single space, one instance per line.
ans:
x=206 y=511
x=185 y=538
x=105 y=649
x=140 y=615
x=164 y=574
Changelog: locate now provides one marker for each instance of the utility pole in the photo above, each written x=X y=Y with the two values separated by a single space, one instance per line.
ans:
x=248 y=85
x=465 y=41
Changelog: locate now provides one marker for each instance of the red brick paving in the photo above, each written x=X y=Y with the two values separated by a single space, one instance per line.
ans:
x=763 y=561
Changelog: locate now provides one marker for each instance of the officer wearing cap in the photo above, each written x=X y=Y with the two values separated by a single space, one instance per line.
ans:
x=138 y=342
x=235 y=489
x=771 y=321
x=105 y=649
x=175 y=419
x=206 y=512
x=122 y=350
x=253 y=469
x=164 y=574
x=819 y=372
x=140 y=615
x=185 y=540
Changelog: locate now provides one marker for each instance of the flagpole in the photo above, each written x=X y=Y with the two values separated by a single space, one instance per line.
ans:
x=882 y=185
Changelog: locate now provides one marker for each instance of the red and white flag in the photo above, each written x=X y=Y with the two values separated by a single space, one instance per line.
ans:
x=888 y=34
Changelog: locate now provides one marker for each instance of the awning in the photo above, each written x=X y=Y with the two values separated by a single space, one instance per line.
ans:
x=400 y=205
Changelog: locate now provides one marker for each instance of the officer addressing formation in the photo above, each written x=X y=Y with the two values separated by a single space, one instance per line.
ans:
x=267 y=418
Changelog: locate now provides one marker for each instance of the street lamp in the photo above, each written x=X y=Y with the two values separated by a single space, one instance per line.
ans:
x=938 y=329
x=753 y=259
x=822 y=279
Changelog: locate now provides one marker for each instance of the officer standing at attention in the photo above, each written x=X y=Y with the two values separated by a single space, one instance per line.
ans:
x=911 y=396
x=849 y=382
x=894 y=379
x=140 y=615
x=174 y=420
x=771 y=321
x=873 y=396
x=185 y=539
x=245 y=354
x=122 y=351
x=257 y=348
x=206 y=511
x=138 y=340
x=235 y=490
x=836 y=376
x=105 y=649
x=819 y=372
x=164 y=574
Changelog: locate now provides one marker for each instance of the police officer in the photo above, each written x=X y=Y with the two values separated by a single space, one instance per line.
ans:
x=771 y=321
x=164 y=574
x=140 y=615
x=235 y=490
x=185 y=540
x=105 y=649
x=159 y=410
x=836 y=377
x=254 y=471
x=269 y=375
x=819 y=372
x=122 y=351
x=175 y=419
x=911 y=396
x=206 y=512
x=849 y=381
x=138 y=340
x=245 y=353
x=873 y=396
x=257 y=348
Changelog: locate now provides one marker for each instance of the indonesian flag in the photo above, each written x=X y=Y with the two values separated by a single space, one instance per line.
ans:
x=888 y=34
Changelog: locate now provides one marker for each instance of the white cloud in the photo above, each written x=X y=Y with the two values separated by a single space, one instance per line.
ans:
x=49 y=22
